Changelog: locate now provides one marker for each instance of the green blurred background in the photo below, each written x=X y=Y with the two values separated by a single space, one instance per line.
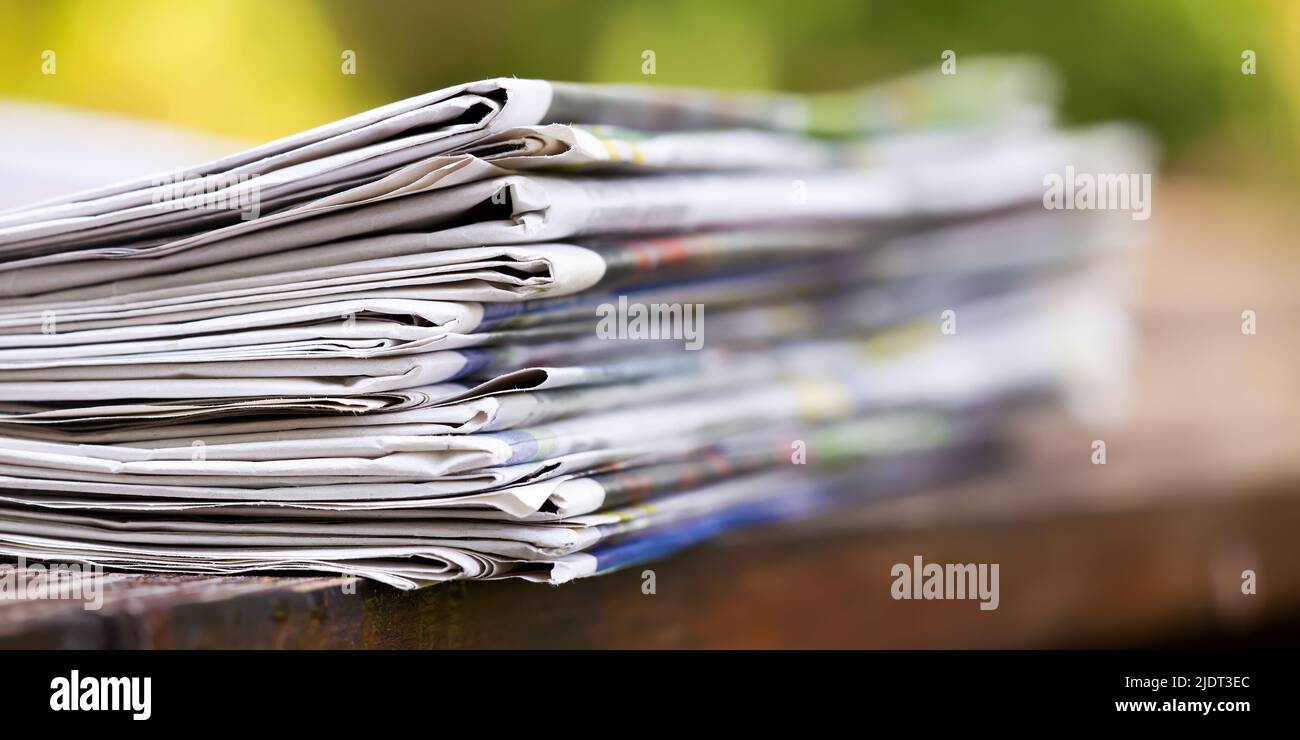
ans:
x=259 y=69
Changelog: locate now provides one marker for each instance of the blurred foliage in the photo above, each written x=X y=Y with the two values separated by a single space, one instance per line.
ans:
x=263 y=68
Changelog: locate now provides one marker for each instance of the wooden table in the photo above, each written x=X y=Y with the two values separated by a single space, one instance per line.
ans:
x=1201 y=483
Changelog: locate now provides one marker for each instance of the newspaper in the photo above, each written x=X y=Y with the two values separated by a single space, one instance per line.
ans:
x=502 y=119
x=375 y=347
x=543 y=208
x=392 y=550
x=826 y=380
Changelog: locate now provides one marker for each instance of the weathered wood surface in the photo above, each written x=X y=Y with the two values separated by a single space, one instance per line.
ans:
x=1164 y=576
x=1201 y=482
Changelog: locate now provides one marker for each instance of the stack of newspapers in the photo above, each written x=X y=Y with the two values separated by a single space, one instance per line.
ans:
x=518 y=328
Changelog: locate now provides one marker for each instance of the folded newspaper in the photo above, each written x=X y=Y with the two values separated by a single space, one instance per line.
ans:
x=464 y=335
